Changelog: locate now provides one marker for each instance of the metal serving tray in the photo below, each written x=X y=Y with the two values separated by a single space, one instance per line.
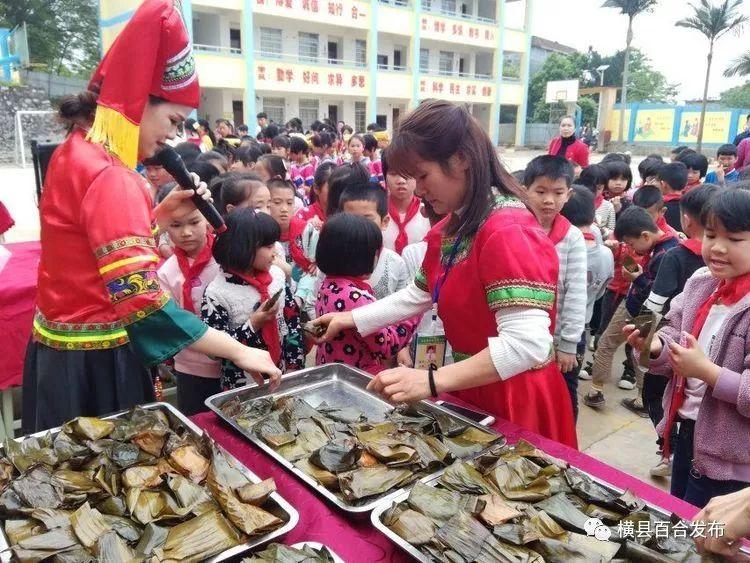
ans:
x=316 y=545
x=337 y=385
x=377 y=515
x=277 y=505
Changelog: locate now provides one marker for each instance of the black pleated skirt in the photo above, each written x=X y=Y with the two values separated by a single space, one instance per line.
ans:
x=59 y=385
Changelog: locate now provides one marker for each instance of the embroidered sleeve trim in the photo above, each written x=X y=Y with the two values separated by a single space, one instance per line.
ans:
x=127 y=261
x=520 y=293
x=420 y=280
x=132 y=285
x=127 y=242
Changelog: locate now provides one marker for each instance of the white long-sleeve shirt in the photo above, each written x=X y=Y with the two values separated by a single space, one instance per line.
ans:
x=571 y=291
x=523 y=341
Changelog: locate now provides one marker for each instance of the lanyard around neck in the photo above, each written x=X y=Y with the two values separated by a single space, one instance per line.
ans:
x=448 y=267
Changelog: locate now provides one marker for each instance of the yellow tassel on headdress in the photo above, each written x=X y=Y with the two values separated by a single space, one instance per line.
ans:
x=117 y=133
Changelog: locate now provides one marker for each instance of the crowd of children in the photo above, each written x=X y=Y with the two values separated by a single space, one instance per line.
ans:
x=317 y=224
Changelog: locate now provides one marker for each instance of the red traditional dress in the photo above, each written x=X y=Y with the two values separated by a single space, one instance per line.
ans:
x=102 y=315
x=510 y=262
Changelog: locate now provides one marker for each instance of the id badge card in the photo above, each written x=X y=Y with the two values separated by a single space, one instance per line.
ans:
x=431 y=346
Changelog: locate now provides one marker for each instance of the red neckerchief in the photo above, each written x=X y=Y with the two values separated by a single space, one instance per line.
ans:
x=319 y=212
x=270 y=331
x=693 y=245
x=691 y=186
x=403 y=239
x=359 y=283
x=190 y=272
x=675 y=196
x=669 y=232
x=727 y=293
x=560 y=228
x=589 y=236
x=284 y=236
x=598 y=200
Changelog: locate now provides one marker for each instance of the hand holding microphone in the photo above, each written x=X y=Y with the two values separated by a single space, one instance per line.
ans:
x=197 y=192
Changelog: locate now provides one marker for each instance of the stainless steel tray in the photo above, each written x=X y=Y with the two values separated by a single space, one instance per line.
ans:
x=377 y=515
x=316 y=545
x=337 y=385
x=278 y=506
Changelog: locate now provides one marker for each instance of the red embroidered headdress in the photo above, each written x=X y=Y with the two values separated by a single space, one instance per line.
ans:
x=151 y=56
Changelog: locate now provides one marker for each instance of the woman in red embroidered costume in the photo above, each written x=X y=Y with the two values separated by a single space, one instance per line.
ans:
x=102 y=315
x=489 y=268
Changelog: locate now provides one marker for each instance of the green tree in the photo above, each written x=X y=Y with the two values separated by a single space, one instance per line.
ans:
x=63 y=34
x=645 y=83
x=630 y=8
x=737 y=97
x=740 y=66
x=713 y=22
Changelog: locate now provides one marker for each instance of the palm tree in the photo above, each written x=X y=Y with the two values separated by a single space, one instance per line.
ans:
x=713 y=22
x=739 y=67
x=630 y=8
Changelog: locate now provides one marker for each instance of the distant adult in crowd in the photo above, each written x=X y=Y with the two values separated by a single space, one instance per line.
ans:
x=568 y=145
x=224 y=128
x=744 y=134
x=262 y=118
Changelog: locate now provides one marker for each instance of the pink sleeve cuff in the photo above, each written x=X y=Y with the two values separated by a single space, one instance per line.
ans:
x=727 y=387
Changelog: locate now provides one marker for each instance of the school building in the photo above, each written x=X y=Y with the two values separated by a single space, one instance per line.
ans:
x=356 y=61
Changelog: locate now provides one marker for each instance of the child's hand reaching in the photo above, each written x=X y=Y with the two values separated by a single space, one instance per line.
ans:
x=637 y=341
x=616 y=203
x=690 y=361
x=627 y=274
x=316 y=223
x=260 y=317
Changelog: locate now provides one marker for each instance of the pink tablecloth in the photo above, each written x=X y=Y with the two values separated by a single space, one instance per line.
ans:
x=353 y=538
x=17 y=299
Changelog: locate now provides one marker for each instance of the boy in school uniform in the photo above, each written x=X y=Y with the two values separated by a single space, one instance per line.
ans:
x=369 y=201
x=548 y=181
x=638 y=229
x=697 y=166
x=580 y=211
x=725 y=173
x=673 y=178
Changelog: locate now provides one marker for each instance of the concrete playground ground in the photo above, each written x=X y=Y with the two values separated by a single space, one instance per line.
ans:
x=614 y=435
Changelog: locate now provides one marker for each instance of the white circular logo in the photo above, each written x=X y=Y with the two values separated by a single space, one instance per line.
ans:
x=595 y=527
x=591 y=525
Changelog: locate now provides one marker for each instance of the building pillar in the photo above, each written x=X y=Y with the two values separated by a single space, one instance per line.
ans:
x=372 y=63
x=499 y=61
x=415 y=47
x=523 y=108
x=248 y=100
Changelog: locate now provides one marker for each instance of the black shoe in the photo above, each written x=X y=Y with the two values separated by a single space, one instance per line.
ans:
x=627 y=381
x=586 y=371
x=595 y=400
x=635 y=405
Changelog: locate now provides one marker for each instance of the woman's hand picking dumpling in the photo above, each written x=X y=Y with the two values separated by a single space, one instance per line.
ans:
x=401 y=385
x=258 y=363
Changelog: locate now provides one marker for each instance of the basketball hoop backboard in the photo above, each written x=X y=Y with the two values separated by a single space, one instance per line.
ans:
x=565 y=91
x=19 y=45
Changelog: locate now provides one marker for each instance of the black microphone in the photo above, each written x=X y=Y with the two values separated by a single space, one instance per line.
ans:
x=173 y=163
